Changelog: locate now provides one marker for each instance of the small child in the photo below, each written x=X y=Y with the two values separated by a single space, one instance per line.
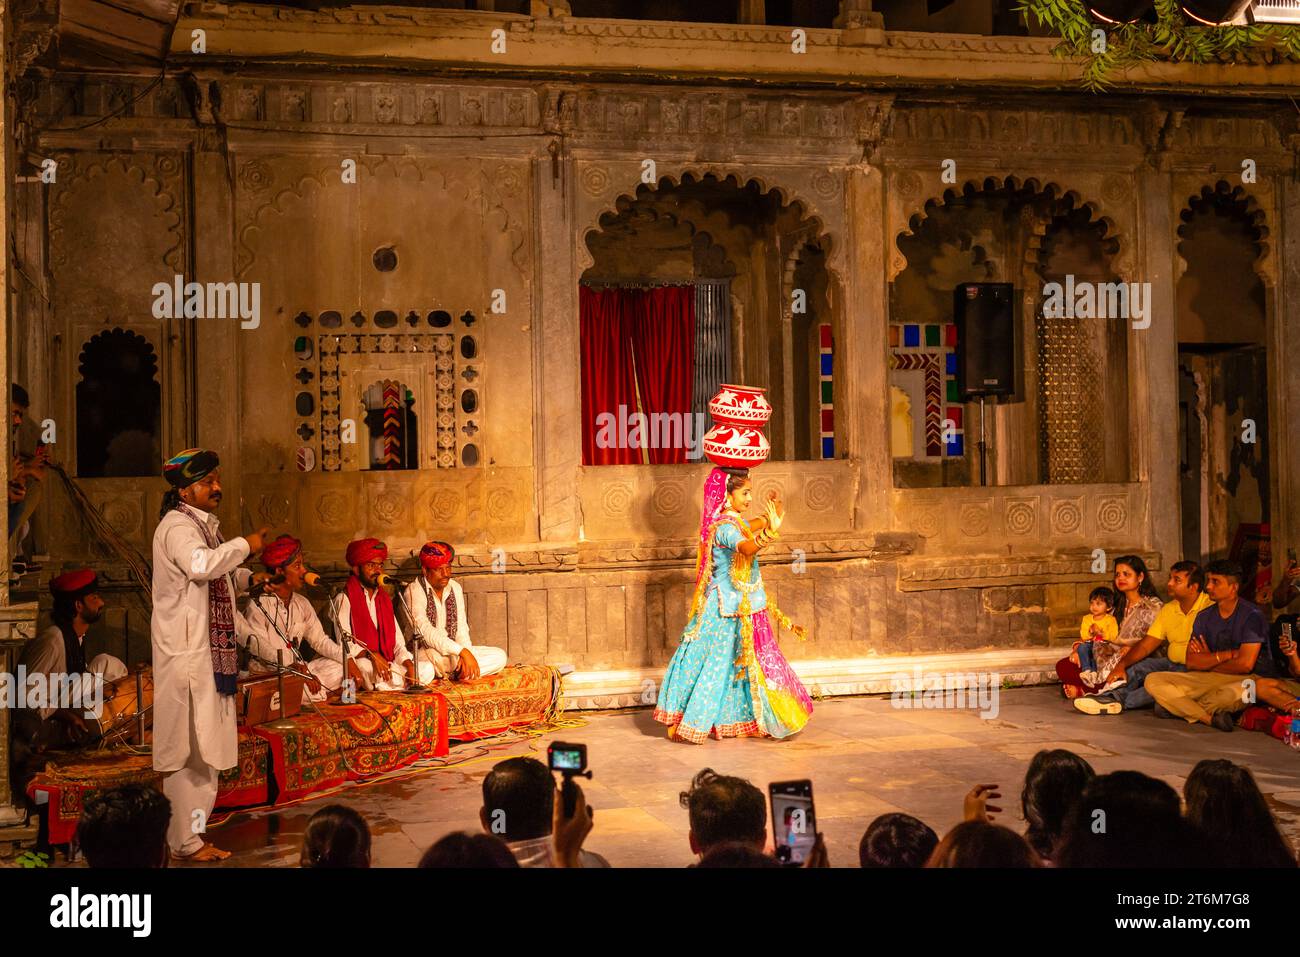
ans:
x=1098 y=625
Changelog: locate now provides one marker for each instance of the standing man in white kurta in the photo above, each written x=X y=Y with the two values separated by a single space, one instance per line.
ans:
x=437 y=609
x=195 y=628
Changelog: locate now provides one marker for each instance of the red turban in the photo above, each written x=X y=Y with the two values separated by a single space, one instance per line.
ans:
x=366 y=550
x=74 y=584
x=436 y=554
x=280 y=552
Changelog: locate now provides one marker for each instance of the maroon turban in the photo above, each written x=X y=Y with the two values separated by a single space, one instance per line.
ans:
x=280 y=552
x=436 y=554
x=366 y=550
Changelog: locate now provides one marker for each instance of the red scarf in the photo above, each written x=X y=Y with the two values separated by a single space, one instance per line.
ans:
x=383 y=640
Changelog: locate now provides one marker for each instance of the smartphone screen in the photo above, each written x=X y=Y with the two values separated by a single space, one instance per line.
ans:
x=794 y=821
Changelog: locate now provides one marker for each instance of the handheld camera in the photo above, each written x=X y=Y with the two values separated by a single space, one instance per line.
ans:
x=571 y=761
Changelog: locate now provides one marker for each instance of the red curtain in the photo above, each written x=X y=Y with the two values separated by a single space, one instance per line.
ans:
x=607 y=381
x=663 y=345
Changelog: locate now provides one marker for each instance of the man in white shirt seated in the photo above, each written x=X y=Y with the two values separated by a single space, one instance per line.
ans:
x=364 y=612
x=57 y=653
x=436 y=605
x=281 y=620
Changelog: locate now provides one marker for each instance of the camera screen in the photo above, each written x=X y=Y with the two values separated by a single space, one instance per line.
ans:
x=563 y=760
x=795 y=830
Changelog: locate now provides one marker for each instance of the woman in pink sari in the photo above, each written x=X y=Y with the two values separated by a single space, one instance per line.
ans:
x=728 y=677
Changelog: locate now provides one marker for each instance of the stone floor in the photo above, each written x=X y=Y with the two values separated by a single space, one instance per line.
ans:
x=864 y=757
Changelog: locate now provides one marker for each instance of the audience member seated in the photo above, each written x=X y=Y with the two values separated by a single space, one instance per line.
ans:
x=1283 y=693
x=897 y=840
x=981 y=844
x=336 y=837
x=519 y=806
x=1164 y=648
x=125 y=827
x=724 y=810
x=1229 y=643
x=736 y=854
x=1135 y=610
x=1126 y=819
x=1053 y=783
x=468 y=850
x=1226 y=804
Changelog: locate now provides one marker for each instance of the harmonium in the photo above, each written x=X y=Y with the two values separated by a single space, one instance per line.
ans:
x=263 y=698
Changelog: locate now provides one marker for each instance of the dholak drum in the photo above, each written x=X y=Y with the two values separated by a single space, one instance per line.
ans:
x=117 y=718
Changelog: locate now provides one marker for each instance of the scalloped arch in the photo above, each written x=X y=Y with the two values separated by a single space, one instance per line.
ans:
x=1242 y=202
x=1063 y=200
x=788 y=196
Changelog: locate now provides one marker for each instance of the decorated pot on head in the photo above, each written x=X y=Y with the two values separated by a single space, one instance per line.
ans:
x=740 y=405
x=736 y=446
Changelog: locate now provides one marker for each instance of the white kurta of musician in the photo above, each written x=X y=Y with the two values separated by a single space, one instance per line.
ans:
x=46 y=655
x=271 y=620
x=447 y=647
x=185 y=690
x=401 y=654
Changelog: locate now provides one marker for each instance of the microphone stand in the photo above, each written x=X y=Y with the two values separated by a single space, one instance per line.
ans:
x=414 y=686
x=342 y=633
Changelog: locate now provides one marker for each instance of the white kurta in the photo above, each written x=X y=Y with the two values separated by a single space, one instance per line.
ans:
x=401 y=654
x=45 y=655
x=187 y=708
x=444 y=650
x=297 y=621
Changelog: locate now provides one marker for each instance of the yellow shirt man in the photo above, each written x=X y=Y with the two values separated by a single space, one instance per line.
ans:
x=1175 y=628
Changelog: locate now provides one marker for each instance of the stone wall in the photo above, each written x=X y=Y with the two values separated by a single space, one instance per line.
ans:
x=481 y=186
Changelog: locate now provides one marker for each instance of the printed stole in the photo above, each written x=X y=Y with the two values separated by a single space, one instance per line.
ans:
x=221 y=617
x=431 y=609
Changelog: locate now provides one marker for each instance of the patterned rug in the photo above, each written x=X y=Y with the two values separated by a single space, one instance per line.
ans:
x=381 y=732
x=70 y=779
x=519 y=696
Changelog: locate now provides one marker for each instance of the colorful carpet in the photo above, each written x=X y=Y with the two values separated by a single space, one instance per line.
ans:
x=381 y=732
x=519 y=696
x=71 y=778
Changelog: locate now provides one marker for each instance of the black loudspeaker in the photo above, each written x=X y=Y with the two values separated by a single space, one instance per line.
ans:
x=986 y=341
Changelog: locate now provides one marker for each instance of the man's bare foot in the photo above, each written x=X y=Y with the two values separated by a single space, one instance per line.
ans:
x=206 y=854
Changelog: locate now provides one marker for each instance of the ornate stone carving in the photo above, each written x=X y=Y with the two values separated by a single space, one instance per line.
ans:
x=443 y=505
x=818 y=493
x=974 y=520
x=256 y=176
x=616 y=499
x=1021 y=516
x=1112 y=514
x=668 y=498
x=1066 y=516
x=334 y=509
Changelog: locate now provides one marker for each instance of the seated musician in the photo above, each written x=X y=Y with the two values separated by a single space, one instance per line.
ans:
x=58 y=651
x=437 y=607
x=282 y=620
x=365 y=613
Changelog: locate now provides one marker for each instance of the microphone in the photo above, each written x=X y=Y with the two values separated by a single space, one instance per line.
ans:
x=261 y=586
x=386 y=580
x=311 y=579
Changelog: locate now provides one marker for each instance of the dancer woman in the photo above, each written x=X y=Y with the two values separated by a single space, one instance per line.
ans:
x=728 y=678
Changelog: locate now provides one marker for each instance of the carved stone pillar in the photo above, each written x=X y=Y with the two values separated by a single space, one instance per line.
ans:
x=1153 y=366
x=557 y=380
x=217 y=343
x=1284 y=386
x=862 y=375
